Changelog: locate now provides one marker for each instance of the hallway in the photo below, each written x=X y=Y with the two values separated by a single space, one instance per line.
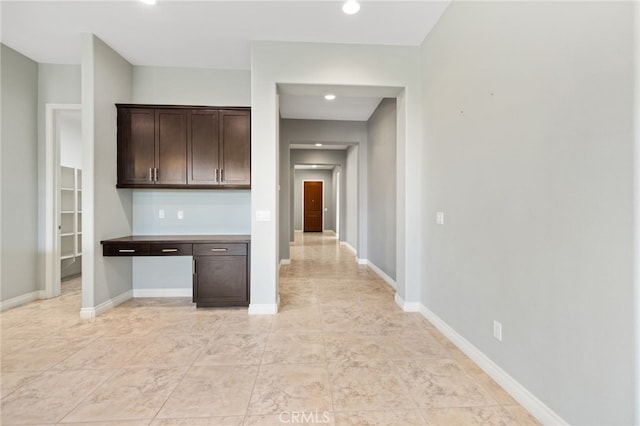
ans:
x=340 y=351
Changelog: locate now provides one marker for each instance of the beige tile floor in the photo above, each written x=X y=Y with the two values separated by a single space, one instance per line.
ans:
x=339 y=352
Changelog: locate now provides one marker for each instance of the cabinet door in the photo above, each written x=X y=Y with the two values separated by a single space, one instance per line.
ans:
x=203 y=148
x=220 y=281
x=136 y=146
x=171 y=146
x=235 y=151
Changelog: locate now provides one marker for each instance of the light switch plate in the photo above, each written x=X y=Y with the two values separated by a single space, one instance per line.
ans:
x=180 y=215
x=263 y=216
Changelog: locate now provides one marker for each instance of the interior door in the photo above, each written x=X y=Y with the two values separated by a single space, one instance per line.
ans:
x=312 y=207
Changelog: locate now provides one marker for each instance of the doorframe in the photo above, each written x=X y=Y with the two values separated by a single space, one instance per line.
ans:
x=52 y=272
x=323 y=197
x=337 y=203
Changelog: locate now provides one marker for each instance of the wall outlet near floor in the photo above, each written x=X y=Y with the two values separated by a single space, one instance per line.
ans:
x=161 y=214
x=180 y=215
x=440 y=218
x=497 y=330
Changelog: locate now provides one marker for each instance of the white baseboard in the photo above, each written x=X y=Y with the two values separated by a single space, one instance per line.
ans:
x=347 y=245
x=263 y=308
x=283 y=262
x=163 y=292
x=532 y=404
x=361 y=261
x=406 y=306
x=382 y=275
x=22 y=300
x=90 y=313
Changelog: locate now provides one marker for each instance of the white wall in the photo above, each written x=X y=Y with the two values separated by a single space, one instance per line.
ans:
x=528 y=152
x=70 y=136
x=106 y=80
x=191 y=86
x=381 y=187
x=18 y=175
x=205 y=211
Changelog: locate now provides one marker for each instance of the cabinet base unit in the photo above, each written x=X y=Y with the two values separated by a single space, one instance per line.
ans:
x=220 y=281
x=220 y=263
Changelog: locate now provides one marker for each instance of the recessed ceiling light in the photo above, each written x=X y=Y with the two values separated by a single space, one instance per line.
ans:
x=329 y=97
x=151 y=2
x=351 y=7
x=318 y=144
x=314 y=166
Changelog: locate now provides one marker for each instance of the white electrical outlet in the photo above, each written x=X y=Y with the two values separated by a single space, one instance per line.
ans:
x=161 y=214
x=180 y=215
x=497 y=330
x=440 y=218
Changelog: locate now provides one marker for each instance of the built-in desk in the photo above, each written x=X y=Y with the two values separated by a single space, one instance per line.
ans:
x=220 y=262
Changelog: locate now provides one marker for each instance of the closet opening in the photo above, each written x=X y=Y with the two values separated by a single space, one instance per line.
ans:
x=63 y=200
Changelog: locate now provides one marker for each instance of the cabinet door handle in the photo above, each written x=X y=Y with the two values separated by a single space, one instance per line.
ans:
x=155 y=174
x=150 y=174
x=126 y=251
x=221 y=175
x=216 y=175
x=195 y=267
x=219 y=249
x=170 y=250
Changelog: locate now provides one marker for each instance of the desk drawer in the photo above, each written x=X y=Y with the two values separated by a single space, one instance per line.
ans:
x=168 y=249
x=222 y=249
x=125 y=249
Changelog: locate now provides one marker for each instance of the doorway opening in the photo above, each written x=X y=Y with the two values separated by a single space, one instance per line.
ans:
x=63 y=199
x=364 y=132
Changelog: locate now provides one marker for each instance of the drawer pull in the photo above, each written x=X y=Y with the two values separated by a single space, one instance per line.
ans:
x=170 y=250
x=218 y=249
x=126 y=251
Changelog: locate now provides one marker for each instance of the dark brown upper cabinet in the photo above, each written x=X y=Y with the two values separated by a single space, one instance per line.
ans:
x=204 y=146
x=235 y=152
x=183 y=147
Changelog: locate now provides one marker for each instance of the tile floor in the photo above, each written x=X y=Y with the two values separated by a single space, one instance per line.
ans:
x=339 y=352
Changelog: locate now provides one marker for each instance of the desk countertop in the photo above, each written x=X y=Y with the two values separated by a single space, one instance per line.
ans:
x=180 y=239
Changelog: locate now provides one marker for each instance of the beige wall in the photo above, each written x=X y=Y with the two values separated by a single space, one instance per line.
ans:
x=528 y=118
x=19 y=176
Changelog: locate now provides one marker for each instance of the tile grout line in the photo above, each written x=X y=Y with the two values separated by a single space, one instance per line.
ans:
x=255 y=381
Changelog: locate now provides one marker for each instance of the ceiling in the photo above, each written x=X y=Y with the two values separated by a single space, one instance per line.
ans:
x=218 y=34
x=352 y=103
x=341 y=108
x=205 y=33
